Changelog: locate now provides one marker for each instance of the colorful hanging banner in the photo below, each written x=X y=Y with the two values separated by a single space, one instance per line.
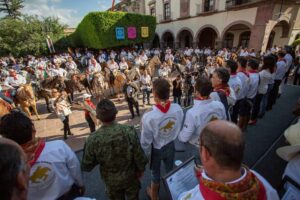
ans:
x=131 y=31
x=120 y=33
x=145 y=32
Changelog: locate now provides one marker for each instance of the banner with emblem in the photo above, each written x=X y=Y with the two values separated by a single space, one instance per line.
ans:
x=145 y=31
x=120 y=33
x=131 y=31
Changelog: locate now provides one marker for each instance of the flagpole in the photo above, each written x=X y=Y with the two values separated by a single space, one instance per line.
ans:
x=113 y=5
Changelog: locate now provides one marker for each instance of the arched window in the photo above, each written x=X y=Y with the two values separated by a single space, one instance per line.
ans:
x=228 y=40
x=244 y=39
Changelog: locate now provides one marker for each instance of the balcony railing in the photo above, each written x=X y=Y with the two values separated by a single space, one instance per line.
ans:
x=234 y=3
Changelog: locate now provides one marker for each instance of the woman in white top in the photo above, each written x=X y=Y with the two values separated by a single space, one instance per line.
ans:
x=265 y=77
x=123 y=65
x=145 y=80
x=62 y=109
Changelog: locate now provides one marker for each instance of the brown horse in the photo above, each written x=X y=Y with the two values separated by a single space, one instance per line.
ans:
x=151 y=68
x=98 y=85
x=26 y=98
x=72 y=85
x=5 y=108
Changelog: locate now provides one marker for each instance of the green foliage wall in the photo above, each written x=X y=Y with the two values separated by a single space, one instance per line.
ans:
x=97 y=29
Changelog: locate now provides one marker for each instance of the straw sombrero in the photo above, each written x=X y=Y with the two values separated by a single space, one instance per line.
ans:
x=292 y=135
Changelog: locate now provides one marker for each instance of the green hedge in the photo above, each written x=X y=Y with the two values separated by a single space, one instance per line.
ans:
x=296 y=42
x=97 y=29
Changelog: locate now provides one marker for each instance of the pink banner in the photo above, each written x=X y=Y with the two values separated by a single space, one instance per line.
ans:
x=131 y=31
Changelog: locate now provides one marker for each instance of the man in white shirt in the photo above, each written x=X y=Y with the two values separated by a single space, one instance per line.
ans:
x=160 y=127
x=203 y=111
x=281 y=69
x=222 y=175
x=14 y=81
x=234 y=82
x=71 y=66
x=113 y=66
x=54 y=167
x=57 y=71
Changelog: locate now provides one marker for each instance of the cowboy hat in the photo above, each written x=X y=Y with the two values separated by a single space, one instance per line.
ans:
x=292 y=135
x=84 y=96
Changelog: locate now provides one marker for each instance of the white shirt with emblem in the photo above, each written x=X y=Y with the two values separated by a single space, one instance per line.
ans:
x=253 y=85
x=14 y=82
x=236 y=84
x=198 y=116
x=160 y=128
x=55 y=171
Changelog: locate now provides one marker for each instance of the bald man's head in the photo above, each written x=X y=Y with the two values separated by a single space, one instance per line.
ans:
x=224 y=141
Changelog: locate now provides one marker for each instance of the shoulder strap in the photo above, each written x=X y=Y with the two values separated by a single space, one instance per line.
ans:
x=224 y=101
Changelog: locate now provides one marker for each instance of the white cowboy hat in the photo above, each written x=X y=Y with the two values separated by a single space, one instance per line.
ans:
x=84 y=96
x=292 y=135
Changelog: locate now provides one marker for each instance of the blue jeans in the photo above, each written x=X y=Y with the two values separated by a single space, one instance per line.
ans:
x=264 y=101
x=165 y=154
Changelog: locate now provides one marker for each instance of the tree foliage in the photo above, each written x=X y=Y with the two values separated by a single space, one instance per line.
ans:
x=296 y=42
x=97 y=29
x=28 y=35
x=12 y=8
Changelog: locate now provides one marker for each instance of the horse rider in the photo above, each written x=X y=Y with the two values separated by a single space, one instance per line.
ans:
x=71 y=66
x=102 y=57
x=57 y=71
x=14 y=81
x=93 y=68
x=113 y=66
x=143 y=57
x=123 y=65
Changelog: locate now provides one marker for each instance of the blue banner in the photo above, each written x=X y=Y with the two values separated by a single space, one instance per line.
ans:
x=120 y=33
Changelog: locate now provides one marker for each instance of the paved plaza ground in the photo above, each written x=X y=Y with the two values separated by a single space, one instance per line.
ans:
x=262 y=140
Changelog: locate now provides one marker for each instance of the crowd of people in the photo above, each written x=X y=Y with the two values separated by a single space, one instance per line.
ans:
x=225 y=90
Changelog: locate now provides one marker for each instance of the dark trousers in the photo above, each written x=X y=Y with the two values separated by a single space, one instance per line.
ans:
x=235 y=111
x=256 y=106
x=297 y=79
x=146 y=93
x=177 y=99
x=91 y=123
x=187 y=100
x=67 y=130
x=241 y=108
x=273 y=94
x=132 y=102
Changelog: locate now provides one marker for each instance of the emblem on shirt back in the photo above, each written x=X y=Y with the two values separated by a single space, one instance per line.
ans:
x=41 y=175
x=167 y=126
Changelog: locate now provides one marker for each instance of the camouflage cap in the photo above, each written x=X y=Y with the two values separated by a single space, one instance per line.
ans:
x=106 y=110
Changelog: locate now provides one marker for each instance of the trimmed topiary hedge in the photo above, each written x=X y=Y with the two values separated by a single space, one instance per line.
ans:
x=296 y=42
x=97 y=29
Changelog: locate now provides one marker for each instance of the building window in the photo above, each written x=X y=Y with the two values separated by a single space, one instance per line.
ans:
x=228 y=40
x=167 y=11
x=244 y=39
x=208 y=5
x=152 y=11
x=236 y=2
x=184 y=8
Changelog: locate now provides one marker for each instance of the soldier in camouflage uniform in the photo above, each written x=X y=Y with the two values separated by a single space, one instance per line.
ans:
x=116 y=148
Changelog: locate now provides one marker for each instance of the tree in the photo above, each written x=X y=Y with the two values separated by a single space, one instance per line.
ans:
x=28 y=35
x=12 y=8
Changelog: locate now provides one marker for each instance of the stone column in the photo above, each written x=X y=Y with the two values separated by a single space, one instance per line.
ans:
x=259 y=36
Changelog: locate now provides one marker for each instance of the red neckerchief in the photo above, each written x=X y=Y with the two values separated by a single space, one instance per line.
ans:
x=252 y=71
x=208 y=193
x=233 y=74
x=33 y=150
x=165 y=108
x=244 y=72
x=223 y=88
x=281 y=59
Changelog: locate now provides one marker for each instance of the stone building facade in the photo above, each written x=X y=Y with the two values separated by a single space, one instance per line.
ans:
x=257 y=24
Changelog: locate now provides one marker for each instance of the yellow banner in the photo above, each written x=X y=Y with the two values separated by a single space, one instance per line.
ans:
x=145 y=32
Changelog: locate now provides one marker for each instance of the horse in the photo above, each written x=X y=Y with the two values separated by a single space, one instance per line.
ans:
x=44 y=93
x=152 y=65
x=5 y=108
x=71 y=86
x=120 y=80
x=84 y=81
x=133 y=73
x=26 y=98
x=98 y=85
x=56 y=82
